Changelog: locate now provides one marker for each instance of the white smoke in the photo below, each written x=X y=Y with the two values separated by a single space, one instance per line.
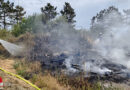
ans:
x=13 y=49
x=90 y=67
x=114 y=44
x=68 y=63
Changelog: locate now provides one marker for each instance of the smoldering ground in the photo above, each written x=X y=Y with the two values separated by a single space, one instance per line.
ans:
x=105 y=50
x=104 y=55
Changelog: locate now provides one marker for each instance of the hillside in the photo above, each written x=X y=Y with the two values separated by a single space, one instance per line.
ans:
x=47 y=50
x=12 y=83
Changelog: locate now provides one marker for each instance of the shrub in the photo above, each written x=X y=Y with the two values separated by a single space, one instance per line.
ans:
x=4 y=34
x=21 y=28
x=30 y=24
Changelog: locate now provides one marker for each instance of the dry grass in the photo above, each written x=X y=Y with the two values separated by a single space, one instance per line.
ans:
x=27 y=69
x=30 y=67
x=81 y=83
x=7 y=64
x=48 y=82
x=34 y=67
x=33 y=72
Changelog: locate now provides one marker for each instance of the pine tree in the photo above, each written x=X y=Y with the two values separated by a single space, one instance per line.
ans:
x=104 y=20
x=49 y=12
x=4 y=13
x=10 y=15
x=68 y=13
x=19 y=13
x=105 y=13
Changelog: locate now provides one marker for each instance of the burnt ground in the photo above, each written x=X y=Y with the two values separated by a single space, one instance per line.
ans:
x=118 y=74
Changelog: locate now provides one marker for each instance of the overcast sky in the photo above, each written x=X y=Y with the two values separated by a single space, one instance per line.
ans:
x=85 y=9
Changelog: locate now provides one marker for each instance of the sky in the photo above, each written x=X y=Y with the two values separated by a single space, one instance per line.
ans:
x=85 y=9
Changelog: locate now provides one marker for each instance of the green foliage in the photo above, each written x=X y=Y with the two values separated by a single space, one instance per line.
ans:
x=19 y=13
x=21 y=72
x=16 y=30
x=25 y=26
x=34 y=78
x=44 y=22
x=68 y=13
x=16 y=65
x=21 y=69
x=49 y=12
x=9 y=14
x=4 y=34
x=34 y=24
x=5 y=11
x=31 y=24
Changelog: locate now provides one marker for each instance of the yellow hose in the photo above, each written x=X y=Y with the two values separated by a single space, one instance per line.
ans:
x=20 y=78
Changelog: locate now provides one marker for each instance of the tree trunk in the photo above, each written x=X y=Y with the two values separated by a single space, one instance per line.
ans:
x=4 y=22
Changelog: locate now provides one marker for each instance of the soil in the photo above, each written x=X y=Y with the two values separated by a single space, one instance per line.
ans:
x=11 y=82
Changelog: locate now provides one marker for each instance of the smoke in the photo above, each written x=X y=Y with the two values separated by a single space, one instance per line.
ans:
x=109 y=49
x=13 y=49
x=68 y=63
x=90 y=67
x=81 y=55
x=114 y=43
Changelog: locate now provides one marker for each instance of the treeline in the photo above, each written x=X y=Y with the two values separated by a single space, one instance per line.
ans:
x=10 y=14
x=107 y=19
x=14 y=16
x=47 y=20
x=49 y=12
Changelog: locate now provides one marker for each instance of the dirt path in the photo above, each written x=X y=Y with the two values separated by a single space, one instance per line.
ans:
x=7 y=65
x=10 y=82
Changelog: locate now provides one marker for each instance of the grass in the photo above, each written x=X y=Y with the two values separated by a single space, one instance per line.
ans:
x=33 y=72
x=80 y=83
x=27 y=69
x=48 y=82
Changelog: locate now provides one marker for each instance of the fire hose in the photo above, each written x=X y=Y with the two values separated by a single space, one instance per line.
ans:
x=17 y=76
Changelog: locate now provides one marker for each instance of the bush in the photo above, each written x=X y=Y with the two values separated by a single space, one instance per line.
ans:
x=5 y=34
x=21 y=28
x=30 y=24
